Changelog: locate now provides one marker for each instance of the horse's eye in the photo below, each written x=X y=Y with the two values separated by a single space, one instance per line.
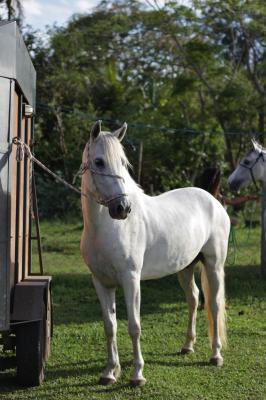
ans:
x=246 y=162
x=99 y=162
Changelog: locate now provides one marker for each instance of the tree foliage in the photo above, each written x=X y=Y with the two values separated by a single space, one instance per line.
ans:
x=189 y=80
x=11 y=9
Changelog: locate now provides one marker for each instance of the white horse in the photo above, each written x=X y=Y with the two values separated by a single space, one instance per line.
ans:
x=143 y=237
x=251 y=168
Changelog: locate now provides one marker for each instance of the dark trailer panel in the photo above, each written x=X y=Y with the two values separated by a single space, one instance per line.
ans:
x=25 y=311
x=15 y=62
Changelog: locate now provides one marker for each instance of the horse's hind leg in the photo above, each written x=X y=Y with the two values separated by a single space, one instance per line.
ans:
x=213 y=287
x=187 y=282
x=107 y=300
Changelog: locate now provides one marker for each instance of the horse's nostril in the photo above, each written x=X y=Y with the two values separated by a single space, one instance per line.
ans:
x=120 y=208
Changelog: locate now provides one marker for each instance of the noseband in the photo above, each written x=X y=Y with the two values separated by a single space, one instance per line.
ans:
x=97 y=197
x=250 y=168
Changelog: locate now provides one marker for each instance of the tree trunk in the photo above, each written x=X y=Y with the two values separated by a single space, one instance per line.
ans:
x=261 y=125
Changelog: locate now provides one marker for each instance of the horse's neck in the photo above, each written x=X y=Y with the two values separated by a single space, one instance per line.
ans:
x=263 y=180
x=90 y=208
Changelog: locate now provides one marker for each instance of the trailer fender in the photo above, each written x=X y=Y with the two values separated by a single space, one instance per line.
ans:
x=29 y=298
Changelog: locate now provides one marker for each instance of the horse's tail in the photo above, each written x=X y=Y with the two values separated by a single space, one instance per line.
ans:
x=220 y=301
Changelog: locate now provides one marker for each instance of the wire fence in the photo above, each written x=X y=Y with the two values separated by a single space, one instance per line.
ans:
x=141 y=125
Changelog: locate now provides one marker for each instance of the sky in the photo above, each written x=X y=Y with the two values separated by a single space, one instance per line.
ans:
x=39 y=13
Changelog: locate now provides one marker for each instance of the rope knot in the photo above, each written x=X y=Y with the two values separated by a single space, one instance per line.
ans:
x=22 y=149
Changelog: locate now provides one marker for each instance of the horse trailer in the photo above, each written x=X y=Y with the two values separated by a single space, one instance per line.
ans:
x=25 y=296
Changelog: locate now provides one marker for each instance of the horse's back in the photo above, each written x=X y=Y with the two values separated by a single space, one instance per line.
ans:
x=179 y=223
x=190 y=205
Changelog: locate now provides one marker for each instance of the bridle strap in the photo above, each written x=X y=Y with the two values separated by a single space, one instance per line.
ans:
x=250 y=168
x=104 y=202
x=94 y=171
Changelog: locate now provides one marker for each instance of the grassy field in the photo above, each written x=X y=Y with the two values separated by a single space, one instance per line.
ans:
x=78 y=348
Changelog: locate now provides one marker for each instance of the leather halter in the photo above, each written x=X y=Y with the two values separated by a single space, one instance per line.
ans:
x=97 y=197
x=250 y=168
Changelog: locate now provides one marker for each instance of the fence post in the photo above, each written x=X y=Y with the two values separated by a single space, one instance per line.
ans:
x=140 y=161
x=263 y=231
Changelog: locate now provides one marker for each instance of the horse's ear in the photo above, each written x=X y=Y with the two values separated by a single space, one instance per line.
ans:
x=95 y=130
x=120 y=133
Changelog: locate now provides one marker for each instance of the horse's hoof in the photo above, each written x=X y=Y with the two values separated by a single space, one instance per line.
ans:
x=216 y=361
x=137 y=382
x=185 y=351
x=106 y=381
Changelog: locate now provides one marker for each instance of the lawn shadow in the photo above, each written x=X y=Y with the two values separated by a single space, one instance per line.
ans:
x=244 y=282
x=75 y=299
x=81 y=368
x=179 y=363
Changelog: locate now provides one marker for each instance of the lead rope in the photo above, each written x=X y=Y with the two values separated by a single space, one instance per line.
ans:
x=20 y=153
x=23 y=149
x=232 y=247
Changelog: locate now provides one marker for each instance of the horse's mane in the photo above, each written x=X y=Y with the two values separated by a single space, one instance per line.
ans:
x=113 y=149
x=258 y=147
x=210 y=180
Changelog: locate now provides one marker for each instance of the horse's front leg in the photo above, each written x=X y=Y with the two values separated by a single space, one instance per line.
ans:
x=131 y=287
x=107 y=300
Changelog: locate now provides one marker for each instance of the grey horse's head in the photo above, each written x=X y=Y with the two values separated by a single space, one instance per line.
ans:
x=250 y=169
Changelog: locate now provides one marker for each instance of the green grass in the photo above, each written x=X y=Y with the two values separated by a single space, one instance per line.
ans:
x=78 y=348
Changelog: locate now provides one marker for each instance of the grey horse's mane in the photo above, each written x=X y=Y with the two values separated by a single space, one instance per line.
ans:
x=258 y=147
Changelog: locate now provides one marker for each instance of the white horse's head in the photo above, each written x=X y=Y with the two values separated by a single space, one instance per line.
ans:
x=108 y=164
x=250 y=169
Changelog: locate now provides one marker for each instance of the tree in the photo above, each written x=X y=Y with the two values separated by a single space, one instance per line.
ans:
x=13 y=8
x=188 y=81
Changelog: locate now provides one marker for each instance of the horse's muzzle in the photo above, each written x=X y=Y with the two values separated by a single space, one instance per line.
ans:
x=235 y=184
x=119 y=208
